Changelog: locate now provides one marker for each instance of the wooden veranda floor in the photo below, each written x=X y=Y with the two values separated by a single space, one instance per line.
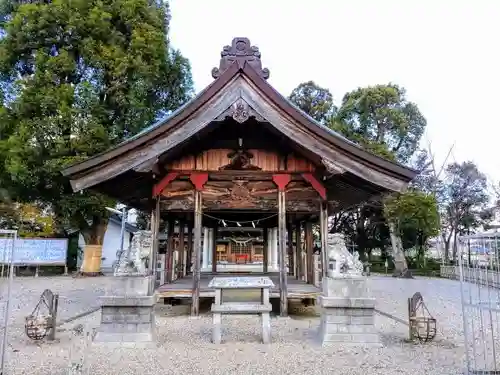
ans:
x=182 y=288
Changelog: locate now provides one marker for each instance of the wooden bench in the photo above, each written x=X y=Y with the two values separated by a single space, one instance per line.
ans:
x=261 y=307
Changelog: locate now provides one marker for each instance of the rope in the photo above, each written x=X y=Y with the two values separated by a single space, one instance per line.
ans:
x=240 y=242
x=241 y=222
x=81 y=315
x=390 y=316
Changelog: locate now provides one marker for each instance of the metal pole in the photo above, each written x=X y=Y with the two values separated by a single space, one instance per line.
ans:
x=7 y=304
x=469 y=258
x=464 y=312
x=122 y=232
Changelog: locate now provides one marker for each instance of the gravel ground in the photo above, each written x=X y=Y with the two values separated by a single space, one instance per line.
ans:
x=183 y=345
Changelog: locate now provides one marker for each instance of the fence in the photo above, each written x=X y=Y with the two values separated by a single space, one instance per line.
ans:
x=478 y=270
x=483 y=276
x=8 y=240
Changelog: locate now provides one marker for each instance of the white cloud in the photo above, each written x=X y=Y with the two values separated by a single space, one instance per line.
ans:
x=444 y=53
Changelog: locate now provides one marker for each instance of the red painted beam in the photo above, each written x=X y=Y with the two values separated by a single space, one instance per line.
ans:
x=281 y=180
x=318 y=186
x=198 y=180
x=160 y=186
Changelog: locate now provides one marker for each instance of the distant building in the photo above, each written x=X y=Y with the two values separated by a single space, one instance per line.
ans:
x=111 y=244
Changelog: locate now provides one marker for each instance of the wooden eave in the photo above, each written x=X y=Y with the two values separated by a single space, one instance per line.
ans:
x=335 y=139
x=239 y=82
x=166 y=125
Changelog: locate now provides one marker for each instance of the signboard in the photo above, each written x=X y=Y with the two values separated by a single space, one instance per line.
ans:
x=35 y=251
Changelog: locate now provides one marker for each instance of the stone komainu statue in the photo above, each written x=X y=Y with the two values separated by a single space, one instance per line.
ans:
x=345 y=262
x=133 y=261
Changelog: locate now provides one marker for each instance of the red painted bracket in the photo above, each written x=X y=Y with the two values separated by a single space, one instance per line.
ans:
x=318 y=186
x=281 y=180
x=160 y=186
x=198 y=180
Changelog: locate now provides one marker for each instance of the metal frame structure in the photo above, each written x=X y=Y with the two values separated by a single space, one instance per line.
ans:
x=9 y=234
x=479 y=269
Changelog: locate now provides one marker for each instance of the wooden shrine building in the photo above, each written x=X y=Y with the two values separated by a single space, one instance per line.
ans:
x=239 y=155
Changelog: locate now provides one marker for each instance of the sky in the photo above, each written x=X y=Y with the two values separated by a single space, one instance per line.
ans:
x=445 y=53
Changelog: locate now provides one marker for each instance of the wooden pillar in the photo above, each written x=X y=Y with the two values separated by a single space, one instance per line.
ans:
x=298 y=250
x=182 y=253
x=198 y=180
x=170 y=251
x=323 y=225
x=265 y=254
x=282 y=254
x=214 y=249
x=309 y=252
x=323 y=218
x=153 y=257
x=290 y=247
x=282 y=180
x=189 y=252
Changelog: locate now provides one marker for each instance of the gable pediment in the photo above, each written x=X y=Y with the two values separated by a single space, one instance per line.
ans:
x=239 y=99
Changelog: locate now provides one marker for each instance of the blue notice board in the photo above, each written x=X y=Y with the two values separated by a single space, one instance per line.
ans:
x=34 y=251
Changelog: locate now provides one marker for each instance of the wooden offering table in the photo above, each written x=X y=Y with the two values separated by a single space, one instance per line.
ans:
x=245 y=285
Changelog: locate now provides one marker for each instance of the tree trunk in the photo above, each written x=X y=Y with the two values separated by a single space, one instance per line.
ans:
x=455 y=246
x=92 y=255
x=400 y=265
x=94 y=234
x=447 y=247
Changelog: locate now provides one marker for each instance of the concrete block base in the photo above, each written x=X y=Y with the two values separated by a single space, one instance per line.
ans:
x=347 y=313
x=127 y=319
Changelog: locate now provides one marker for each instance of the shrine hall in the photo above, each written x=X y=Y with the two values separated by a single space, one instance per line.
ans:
x=239 y=180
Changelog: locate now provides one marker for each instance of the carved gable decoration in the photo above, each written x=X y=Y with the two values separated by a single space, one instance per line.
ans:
x=240 y=191
x=240 y=111
x=240 y=161
x=242 y=52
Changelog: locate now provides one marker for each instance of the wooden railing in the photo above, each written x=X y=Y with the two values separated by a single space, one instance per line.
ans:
x=481 y=276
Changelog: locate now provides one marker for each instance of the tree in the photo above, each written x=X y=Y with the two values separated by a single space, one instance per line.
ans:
x=314 y=100
x=382 y=120
x=415 y=216
x=84 y=75
x=29 y=219
x=143 y=220
x=465 y=203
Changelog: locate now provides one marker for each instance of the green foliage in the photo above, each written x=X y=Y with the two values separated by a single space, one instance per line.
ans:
x=382 y=120
x=415 y=215
x=84 y=75
x=418 y=266
x=29 y=220
x=73 y=251
x=465 y=202
x=314 y=100
x=142 y=221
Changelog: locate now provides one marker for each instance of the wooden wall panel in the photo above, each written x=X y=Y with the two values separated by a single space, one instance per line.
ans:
x=267 y=161
x=298 y=164
x=186 y=163
x=212 y=160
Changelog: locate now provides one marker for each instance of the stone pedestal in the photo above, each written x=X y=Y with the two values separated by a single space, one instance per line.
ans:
x=348 y=311
x=127 y=315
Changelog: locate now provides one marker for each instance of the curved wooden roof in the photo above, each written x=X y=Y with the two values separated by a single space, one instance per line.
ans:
x=240 y=76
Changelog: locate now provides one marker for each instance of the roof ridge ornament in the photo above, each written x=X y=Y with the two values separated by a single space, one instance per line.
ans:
x=240 y=51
